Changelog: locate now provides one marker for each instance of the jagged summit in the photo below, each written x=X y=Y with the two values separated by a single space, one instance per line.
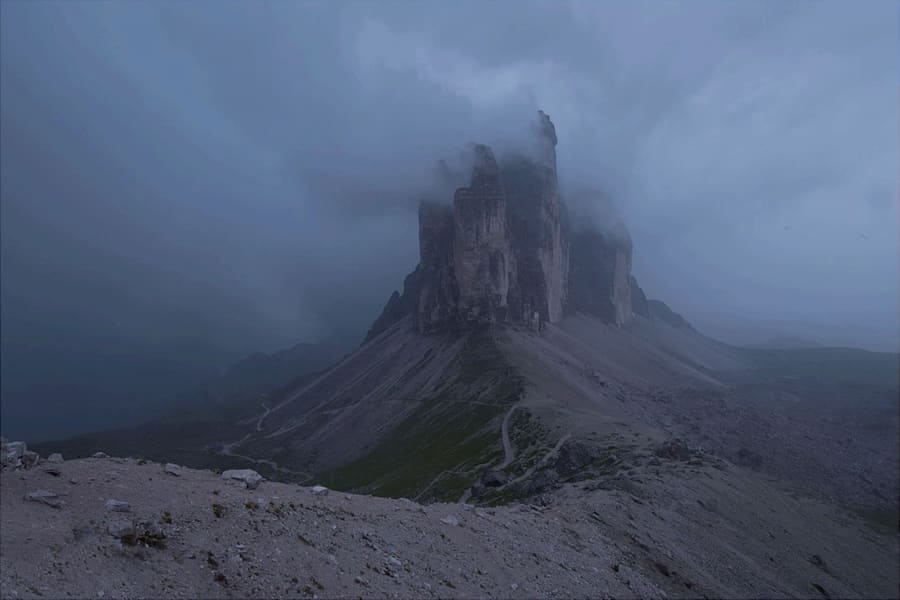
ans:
x=503 y=252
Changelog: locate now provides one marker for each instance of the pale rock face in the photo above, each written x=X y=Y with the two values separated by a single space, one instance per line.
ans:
x=600 y=277
x=501 y=253
x=483 y=258
x=621 y=291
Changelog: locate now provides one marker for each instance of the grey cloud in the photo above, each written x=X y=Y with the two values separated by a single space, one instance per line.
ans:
x=247 y=173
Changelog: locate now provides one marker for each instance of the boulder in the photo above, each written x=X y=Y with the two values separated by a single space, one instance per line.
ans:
x=172 y=469
x=45 y=497
x=573 y=457
x=30 y=459
x=56 y=457
x=100 y=455
x=250 y=477
x=319 y=490
x=450 y=520
x=12 y=454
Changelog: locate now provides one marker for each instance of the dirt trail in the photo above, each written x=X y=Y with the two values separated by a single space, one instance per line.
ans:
x=228 y=449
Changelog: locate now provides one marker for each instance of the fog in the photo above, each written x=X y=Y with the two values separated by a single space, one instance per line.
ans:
x=191 y=182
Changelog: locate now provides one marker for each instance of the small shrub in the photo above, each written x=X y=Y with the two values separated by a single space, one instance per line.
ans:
x=251 y=505
x=166 y=518
x=218 y=510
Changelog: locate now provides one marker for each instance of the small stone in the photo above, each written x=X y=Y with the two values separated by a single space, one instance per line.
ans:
x=100 y=455
x=172 y=469
x=56 y=457
x=44 y=497
x=450 y=520
x=394 y=561
x=120 y=528
x=250 y=477
x=319 y=490
x=514 y=586
x=118 y=506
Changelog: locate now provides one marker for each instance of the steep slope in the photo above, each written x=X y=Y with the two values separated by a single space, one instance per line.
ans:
x=396 y=415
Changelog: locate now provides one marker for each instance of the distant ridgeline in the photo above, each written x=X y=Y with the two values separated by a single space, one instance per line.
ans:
x=504 y=252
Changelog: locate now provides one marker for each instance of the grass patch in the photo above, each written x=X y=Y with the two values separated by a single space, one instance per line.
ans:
x=435 y=449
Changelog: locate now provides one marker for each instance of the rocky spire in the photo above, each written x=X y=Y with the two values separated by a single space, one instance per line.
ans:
x=500 y=253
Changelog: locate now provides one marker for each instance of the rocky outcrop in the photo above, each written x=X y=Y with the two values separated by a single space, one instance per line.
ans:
x=639 y=304
x=483 y=258
x=659 y=310
x=503 y=253
x=600 y=276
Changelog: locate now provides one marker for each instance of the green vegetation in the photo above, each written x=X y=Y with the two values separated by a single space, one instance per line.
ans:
x=145 y=537
x=433 y=453
x=218 y=510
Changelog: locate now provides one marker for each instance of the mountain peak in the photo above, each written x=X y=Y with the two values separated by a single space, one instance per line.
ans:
x=503 y=253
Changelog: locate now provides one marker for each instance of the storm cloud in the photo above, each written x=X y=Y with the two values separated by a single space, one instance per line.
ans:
x=241 y=176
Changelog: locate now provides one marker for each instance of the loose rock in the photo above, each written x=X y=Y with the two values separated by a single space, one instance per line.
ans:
x=250 y=477
x=450 y=520
x=100 y=455
x=172 y=469
x=56 y=457
x=118 y=506
x=319 y=490
x=45 y=497
x=30 y=459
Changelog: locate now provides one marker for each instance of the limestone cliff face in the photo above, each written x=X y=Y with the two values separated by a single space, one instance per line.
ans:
x=484 y=261
x=600 y=277
x=503 y=253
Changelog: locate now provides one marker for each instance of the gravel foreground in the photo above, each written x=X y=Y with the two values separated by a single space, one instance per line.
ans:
x=123 y=528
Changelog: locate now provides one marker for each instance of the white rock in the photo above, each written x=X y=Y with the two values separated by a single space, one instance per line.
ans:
x=250 y=477
x=56 y=457
x=100 y=455
x=118 y=506
x=319 y=490
x=450 y=520
x=172 y=469
x=394 y=561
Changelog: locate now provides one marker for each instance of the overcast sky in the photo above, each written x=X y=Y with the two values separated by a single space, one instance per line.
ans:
x=244 y=175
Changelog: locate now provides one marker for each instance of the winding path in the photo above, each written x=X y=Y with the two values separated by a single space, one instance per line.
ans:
x=228 y=449
x=509 y=455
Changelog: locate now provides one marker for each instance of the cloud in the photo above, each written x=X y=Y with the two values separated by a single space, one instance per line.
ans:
x=258 y=166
